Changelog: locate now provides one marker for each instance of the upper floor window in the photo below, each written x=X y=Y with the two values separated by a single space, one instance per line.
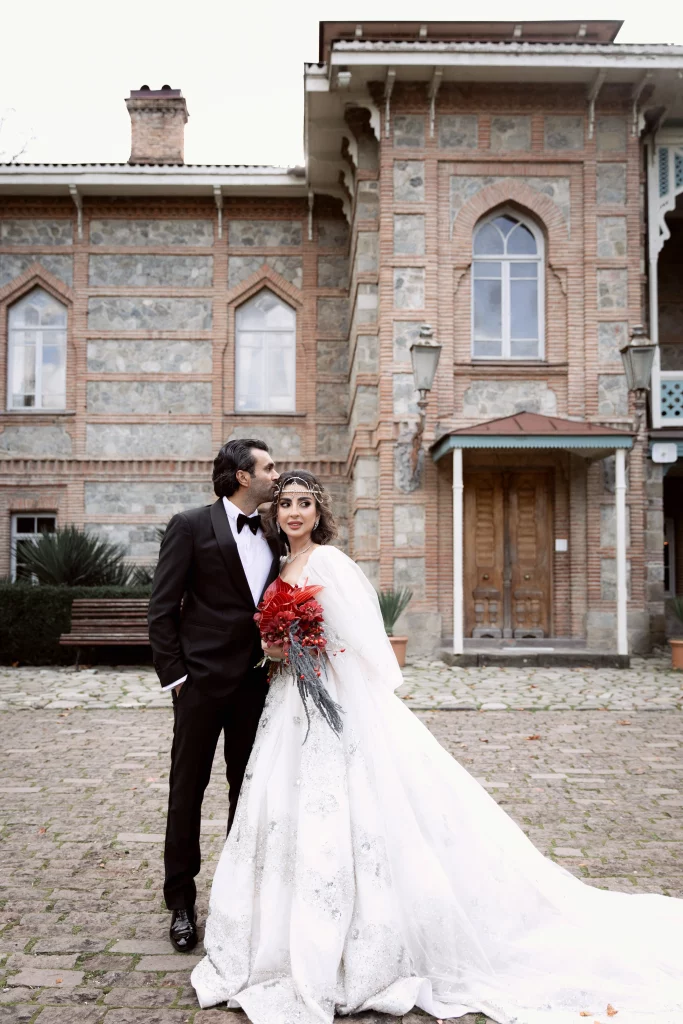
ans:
x=37 y=352
x=265 y=370
x=507 y=289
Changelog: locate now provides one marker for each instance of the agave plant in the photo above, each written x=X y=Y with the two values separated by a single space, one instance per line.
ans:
x=391 y=604
x=677 y=605
x=142 y=575
x=73 y=558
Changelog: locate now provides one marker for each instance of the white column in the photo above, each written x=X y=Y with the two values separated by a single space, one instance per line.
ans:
x=458 y=645
x=620 y=499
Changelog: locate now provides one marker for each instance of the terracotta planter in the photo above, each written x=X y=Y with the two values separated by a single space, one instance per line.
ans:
x=399 y=643
x=676 y=653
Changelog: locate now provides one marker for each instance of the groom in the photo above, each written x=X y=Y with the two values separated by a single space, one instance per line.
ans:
x=214 y=565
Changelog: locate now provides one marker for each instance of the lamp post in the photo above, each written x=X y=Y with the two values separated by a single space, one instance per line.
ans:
x=638 y=356
x=424 y=355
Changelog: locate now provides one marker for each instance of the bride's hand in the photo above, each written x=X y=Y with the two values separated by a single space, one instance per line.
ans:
x=275 y=653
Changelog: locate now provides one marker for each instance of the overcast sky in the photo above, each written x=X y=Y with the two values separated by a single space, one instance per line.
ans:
x=67 y=66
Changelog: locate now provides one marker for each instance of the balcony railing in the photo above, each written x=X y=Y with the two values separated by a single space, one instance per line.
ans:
x=671 y=396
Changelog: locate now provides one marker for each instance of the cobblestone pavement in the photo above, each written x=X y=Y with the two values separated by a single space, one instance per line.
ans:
x=82 y=806
x=648 y=684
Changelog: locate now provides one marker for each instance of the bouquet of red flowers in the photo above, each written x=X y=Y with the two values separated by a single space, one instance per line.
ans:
x=290 y=617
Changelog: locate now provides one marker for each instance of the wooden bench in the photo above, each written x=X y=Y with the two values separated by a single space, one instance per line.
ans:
x=107 y=622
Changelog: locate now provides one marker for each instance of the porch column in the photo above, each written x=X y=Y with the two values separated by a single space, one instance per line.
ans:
x=458 y=644
x=620 y=499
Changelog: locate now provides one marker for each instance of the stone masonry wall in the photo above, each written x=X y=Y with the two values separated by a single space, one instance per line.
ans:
x=151 y=290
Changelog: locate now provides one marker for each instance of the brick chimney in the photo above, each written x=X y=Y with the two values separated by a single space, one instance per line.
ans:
x=157 y=125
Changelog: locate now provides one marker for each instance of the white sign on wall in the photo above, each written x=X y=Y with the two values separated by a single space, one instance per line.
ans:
x=664 y=451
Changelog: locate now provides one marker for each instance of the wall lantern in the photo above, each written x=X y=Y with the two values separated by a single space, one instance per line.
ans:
x=424 y=355
x=638 y=356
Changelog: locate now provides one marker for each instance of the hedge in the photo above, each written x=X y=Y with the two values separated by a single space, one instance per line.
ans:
x=32 y=618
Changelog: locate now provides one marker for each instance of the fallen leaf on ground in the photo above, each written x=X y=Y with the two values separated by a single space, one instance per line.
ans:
x=482 y=740
x=536 y=736
x=58 y=981
x=585 y=1013
x=625 y=721
x=15 y=664
x=611 y=1012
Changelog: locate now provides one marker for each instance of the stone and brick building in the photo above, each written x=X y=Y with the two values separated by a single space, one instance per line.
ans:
x=515 y=186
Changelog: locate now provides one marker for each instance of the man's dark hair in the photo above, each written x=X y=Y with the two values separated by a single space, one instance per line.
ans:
x=233 y=456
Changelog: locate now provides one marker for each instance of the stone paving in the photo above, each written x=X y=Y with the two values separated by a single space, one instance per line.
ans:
x=83 y=795
x=650 y=684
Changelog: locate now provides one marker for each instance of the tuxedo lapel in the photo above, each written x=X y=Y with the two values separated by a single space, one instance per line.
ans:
x=274 y=546
x=231 y=556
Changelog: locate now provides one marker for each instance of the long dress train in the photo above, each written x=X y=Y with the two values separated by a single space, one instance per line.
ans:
x=371 y=871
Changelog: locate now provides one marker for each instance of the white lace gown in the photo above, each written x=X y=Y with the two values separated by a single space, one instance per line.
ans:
x=371 y=872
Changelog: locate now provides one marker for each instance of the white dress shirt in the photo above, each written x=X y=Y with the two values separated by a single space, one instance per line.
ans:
x=255 y=555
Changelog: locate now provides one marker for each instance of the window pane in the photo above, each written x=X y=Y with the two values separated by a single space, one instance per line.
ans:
x=24 y=373
x=486 y=349
x=281 y=373
x=490 y=268
x=487 y=310
x=524 y=349
x=250 y=372
x=37 y=308
x=26 y=524
x=524 y=269
x=505 y=224
x=46 y=524
x=54 y=371
x=488 y=241
x=523 y=309
x=265 y=312
x=521 y=242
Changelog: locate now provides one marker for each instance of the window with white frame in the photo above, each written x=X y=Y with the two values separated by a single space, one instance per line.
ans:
x=265 y=361
x=37 y=352
x=507 y=289
x=27 y=527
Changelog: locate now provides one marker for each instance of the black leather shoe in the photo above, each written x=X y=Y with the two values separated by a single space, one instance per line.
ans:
x=183 y=931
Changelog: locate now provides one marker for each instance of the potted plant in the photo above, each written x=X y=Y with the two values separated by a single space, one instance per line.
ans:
x=676 y=643
x=392 y=603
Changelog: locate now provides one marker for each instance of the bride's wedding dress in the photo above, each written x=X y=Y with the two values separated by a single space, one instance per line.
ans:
x=370 y=871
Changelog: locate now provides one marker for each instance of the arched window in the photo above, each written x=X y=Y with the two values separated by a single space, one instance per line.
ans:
x=37 y=352
x=265 y=370
x=507 y=289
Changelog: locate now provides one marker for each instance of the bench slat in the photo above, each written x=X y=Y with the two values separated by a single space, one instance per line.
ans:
x=104 y=621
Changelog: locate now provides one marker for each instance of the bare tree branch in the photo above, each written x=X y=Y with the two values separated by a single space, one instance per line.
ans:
x=10 y=156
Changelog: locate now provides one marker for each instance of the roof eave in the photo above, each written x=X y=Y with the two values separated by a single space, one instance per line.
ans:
x=144 y=179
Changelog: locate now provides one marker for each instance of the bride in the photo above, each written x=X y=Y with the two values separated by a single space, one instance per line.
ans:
x=369 y=871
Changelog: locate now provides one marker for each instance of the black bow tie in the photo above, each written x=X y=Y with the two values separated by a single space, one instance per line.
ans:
x=253 y=522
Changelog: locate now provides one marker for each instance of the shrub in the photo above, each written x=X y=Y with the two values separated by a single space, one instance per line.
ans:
x=391 y=604
x=33 y=618
x=74 y=558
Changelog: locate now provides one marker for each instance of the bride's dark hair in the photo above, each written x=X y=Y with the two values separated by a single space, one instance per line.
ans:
x=326 y=529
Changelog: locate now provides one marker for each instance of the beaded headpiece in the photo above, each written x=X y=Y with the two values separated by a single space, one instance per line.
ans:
x=315 y=490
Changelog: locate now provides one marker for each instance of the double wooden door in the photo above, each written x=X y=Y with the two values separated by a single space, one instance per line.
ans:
x=508 y=559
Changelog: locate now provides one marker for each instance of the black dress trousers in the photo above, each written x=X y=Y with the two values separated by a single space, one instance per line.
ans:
x=198 y=720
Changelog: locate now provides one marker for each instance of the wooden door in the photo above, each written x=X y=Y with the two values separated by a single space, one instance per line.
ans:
x=529 y=538
x=508 y=560
x=484 y=554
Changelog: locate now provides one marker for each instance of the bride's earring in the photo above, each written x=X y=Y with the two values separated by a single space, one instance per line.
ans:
x=279 y=529
x=316 y=523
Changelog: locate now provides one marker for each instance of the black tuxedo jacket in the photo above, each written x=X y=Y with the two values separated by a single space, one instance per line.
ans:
x=201 y=612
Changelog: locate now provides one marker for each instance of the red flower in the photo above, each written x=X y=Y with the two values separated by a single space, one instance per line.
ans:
x=284 y=608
